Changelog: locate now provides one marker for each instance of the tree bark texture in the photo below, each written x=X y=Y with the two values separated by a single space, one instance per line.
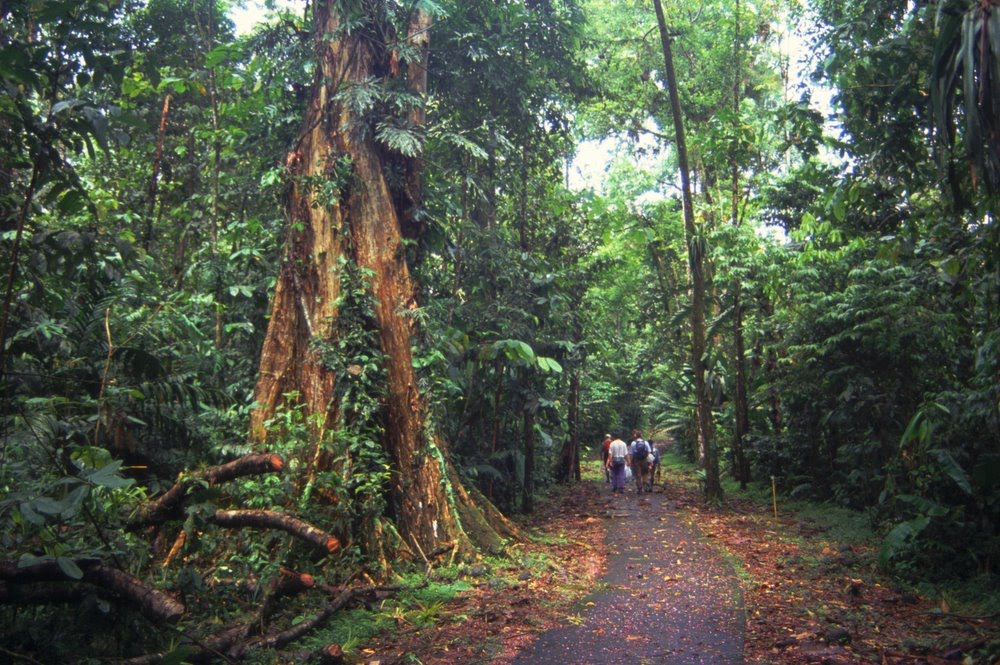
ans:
x=304 y=306
x=361 y=224
x=411 y=206
x=271 y=519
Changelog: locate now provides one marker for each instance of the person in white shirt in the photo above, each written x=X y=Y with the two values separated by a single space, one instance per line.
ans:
x=617 y=453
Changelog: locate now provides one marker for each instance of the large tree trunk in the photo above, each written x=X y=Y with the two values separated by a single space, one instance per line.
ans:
x=696 y=258
x=362 y=224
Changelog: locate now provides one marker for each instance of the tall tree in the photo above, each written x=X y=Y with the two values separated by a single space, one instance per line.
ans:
x=696 y=256
x=741 y=424
x=343 y=212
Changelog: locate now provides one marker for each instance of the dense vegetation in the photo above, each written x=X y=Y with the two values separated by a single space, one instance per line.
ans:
x=155 y=195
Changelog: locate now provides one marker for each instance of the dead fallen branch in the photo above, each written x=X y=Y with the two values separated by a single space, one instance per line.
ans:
x=331 y=654
x=227 y=645
x=897 y=658
x=16 y=656
x=287 y=583
x=154 y=605
x=270 y=519
x=168 y=505
x=45 y=593
x=280 y=639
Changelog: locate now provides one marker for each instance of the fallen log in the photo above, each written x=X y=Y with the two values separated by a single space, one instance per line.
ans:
x=168 y=505
x=46 y=593
x=155 y=605
x=271 y=519
x=215 y=648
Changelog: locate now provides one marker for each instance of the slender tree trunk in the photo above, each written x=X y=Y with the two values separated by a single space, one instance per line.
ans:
x=361 y=224
x=213 y=91
x=574 y=424
x=8 y=297
x=740 y=403
x=568 y=465
x=495 y=424
x=770 y=370
x=569 y=460
x=696 y=257
x=522 y=205
x=528 y=488
x=154 y=179
x=663 y=276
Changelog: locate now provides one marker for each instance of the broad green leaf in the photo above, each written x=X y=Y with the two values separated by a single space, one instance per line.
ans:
x=27 y=560
x=953 y=469
x=900 y=535
x=47 y=505
x=74 y=501
x=107 y=476
x=218 y=55
x=549 y=365
x=30 y=515
x=69 y=567
x=840 y=210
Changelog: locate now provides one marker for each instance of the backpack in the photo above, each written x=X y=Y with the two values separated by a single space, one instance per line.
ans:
x=641 y=449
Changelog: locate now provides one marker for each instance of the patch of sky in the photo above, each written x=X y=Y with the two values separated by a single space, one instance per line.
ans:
x=247 y=14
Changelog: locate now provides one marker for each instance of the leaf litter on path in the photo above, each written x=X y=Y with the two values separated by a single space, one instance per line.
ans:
x=798 y=608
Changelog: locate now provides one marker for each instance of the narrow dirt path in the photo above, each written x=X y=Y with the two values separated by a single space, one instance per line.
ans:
x=667 y=597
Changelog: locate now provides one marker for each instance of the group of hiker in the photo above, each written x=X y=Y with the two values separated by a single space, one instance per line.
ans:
x=638 y=459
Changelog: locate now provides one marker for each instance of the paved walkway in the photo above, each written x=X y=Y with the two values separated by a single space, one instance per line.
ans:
x=668 y=597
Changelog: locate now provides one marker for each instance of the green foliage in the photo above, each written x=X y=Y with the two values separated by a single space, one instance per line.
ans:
x=883 y=316
x=866 y=293
x=420 y=604
x=966 y=74
x=845 y=335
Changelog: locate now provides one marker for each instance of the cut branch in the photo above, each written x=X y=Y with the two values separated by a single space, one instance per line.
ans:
x=270 y=519
x=167 y=506
x=154 y=605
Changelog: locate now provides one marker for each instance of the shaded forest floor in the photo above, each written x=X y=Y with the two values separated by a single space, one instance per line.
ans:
x=811 y=592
